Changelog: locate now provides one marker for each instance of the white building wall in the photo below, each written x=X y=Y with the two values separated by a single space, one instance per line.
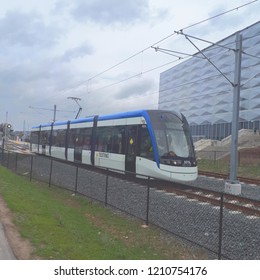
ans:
x=204 y=96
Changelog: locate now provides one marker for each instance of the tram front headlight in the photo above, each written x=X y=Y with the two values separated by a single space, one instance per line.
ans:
x=176 y=162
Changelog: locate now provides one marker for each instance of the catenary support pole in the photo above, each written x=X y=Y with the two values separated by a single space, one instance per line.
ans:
x=233 y=184
x=236 y=102
x=54 y=114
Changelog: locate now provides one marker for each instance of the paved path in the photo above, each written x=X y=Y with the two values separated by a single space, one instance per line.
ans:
x=6 y=252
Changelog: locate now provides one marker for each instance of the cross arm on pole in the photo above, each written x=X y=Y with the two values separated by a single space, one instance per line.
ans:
x=171 y=52
x=209 y=61
x=203 y=40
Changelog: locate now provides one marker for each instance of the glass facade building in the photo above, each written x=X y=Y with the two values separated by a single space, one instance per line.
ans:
x=196 y=89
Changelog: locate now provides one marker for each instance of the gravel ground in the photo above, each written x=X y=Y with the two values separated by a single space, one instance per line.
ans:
x=187 y=218
x=249 y=191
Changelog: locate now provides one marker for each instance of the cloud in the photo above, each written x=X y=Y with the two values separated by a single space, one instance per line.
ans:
x=49 y=50
x=135 y=89
x=216 y=27
x=78 y=52
x=27 y=29
x=31 y=68
x=225 y=22
x=110 y=12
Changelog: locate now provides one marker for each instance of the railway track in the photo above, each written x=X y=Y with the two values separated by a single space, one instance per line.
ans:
x=235 y=203
x=225 y=176
x=231 y=202
x=17 y=147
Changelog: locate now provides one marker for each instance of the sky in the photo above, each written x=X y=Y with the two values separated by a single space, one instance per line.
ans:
x=100 y=51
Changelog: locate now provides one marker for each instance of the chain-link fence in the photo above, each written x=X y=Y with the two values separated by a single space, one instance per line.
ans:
x=223 y=232
x=219 y=161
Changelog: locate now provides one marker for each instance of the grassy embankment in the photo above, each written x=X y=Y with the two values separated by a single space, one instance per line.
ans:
x=250 y=171
x=60 y=225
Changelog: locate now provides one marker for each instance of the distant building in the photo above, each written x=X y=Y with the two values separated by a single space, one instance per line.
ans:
x=205 y=97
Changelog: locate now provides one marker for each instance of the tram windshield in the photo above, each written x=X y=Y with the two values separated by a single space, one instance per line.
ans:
x=172 y=136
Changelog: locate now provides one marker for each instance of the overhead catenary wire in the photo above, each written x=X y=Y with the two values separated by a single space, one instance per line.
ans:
x=146 y=49
x=49 y=109
x=218 y=15
x=135 y=76
x=227 y=49
x=166 y=64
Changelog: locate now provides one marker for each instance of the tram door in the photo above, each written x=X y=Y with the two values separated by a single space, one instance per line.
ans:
x=78 y=146
x=131 y=149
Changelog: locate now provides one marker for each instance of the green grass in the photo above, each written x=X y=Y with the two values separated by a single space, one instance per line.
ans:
x=222 y=166
x=213 y=166
x=60 y=225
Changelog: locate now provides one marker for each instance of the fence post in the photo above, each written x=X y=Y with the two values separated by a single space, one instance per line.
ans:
x=76 y=182
x=106 y=191
x=50 y=174
x=8 y=157
x=220 y=225
x=148 y=201
x=16 y=159
x=2 y=156
x=31 y=168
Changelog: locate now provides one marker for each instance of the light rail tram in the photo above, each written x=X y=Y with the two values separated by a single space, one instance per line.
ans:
x=154 y=143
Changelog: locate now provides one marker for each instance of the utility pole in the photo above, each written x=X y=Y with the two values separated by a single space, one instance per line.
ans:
x=5 y=131
x=55 y=110
x=6 y=121
x=233 y=185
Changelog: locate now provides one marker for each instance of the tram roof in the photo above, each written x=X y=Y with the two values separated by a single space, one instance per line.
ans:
x=129 y=114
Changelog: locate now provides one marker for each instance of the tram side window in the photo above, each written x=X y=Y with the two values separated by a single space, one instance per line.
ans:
x=74 y=138
x=48 y=135
x=58 y=138
x=34 y=137
x=118 y=140
x=86 y=134
x=80 y=137
x=121 y=130
x=146 y=148
x=61 y=137
x=72 y=133
x=111 y=139
x=54 y=138
x=44 y=137
x=104 y=135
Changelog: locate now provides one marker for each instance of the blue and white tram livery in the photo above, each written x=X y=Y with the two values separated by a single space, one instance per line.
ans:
x=154 y=143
